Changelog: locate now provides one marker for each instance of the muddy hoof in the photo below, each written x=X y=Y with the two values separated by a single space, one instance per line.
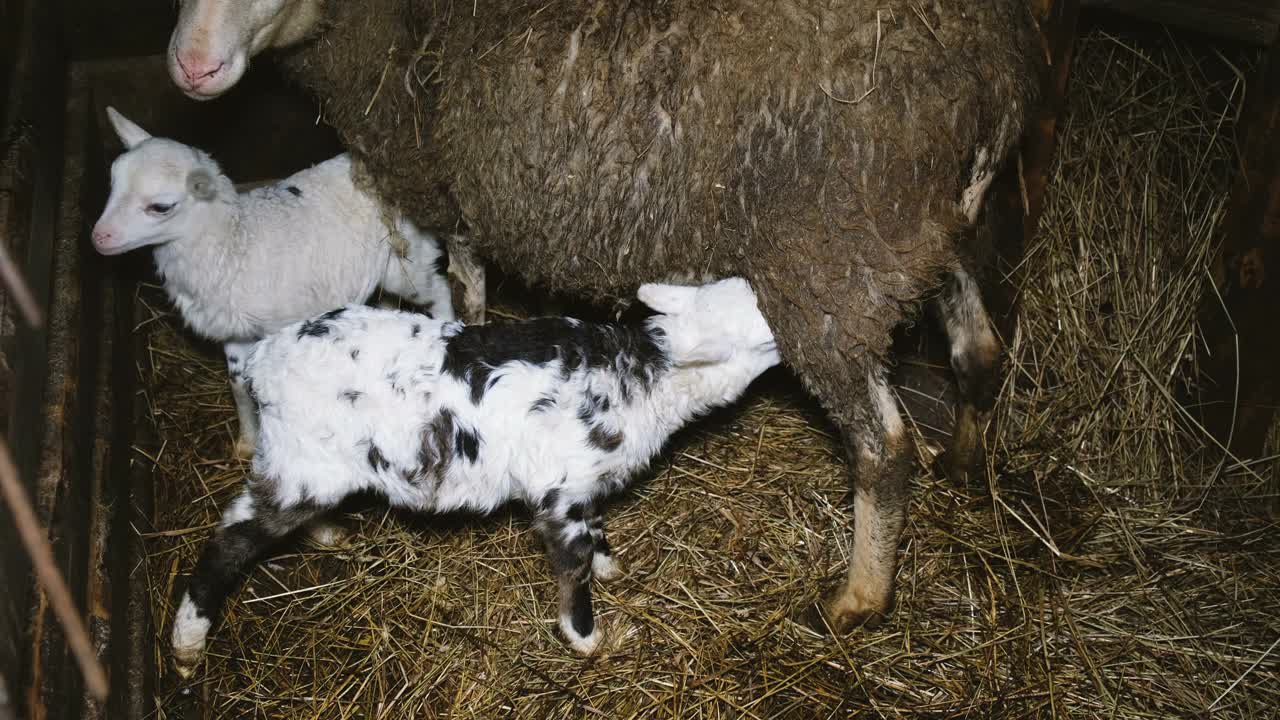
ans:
x=827 y=617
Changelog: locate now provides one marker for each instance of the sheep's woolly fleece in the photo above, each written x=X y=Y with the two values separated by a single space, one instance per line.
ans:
x=817 y=148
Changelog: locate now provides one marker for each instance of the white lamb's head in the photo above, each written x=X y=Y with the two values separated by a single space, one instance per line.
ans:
x=713 y=324
x=157 y=188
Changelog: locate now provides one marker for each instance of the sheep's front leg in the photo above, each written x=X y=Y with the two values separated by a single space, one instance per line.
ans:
x=975 y=358
x=571 y=548
x=249 y=527
x=883 y=461
x=246 y=409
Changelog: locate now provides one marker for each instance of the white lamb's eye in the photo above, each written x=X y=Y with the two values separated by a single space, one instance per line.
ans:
x=160 y=208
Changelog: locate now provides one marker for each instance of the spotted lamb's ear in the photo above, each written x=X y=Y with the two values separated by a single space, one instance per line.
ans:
x=128 y=131
x=200 y=184
x=667 y=299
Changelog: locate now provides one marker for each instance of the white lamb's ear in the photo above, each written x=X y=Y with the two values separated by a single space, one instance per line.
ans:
x=706 y=352
x=200 y=184
x=667 y=299
x=128 y=131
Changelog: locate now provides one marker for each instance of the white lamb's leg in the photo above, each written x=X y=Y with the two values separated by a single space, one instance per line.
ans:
x=419 y=275
x=246 y=409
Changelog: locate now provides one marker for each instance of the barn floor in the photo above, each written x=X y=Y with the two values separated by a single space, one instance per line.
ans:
x=1111 y=568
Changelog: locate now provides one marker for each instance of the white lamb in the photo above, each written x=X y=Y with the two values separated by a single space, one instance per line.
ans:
x=241 y=265
x=436 y=416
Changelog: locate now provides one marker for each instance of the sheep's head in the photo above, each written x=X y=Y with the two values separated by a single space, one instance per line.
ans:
x=155 y=187
x=214 y=39
x=715 y=323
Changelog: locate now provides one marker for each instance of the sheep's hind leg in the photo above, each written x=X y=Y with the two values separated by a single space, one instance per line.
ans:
x=571 y=548
x=246 y=408
x=975 y=358
x=250 y=525
x=883 y=460
x=467 y=273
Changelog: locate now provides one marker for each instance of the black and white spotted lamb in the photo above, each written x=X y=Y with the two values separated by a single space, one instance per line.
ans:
x=438 y=416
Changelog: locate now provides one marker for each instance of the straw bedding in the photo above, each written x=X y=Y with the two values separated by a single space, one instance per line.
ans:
x=1112 y=567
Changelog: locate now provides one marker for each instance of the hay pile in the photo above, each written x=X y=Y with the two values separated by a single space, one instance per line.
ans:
x=1110 y=569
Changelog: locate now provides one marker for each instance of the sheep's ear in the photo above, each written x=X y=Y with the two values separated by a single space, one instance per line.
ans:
x=667 y=299
x=200 y=184
x=128 y=131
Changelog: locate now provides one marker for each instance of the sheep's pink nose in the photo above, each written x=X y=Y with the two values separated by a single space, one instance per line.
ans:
x=198 y=70
x=101 y=237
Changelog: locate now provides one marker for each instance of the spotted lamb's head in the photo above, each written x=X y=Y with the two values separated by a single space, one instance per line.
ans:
x=715 y=323
x=157 y=187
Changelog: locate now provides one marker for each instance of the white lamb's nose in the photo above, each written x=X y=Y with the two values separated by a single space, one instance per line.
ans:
x=103 y=238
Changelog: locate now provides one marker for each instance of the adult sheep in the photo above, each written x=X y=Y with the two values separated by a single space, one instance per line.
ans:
x=831 y=152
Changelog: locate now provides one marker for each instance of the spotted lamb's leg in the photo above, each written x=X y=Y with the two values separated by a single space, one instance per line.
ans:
x=250 y=525
x=883 y=463
x=419 y=275
x=571 y=549
x=327 y=533
x=975 y=359
x=237 y=353
x=603 y=565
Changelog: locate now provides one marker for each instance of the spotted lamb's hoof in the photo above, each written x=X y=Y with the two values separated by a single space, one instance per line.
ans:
x=328 y=535
x=243 y=449
x=190 y=630
x=605 y=568
x=584 y=645
x=185 y=661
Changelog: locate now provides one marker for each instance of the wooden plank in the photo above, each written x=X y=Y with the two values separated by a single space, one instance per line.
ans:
x=1241 y=358
x=1250 y=21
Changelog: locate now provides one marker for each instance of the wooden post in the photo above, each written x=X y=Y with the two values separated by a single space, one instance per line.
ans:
x=1240 y=360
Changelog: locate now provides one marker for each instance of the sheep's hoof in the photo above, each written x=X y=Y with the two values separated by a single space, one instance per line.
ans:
x=840 y=614
x=243 y=449
x=966 y=455
x=847 y=610
x=328 y=535
x=605 y=568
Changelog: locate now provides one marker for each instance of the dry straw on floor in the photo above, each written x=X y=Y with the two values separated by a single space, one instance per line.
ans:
x=1110 y=569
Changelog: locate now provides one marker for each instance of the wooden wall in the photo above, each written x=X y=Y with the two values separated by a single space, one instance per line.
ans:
x=66 y=391
x=30 y=155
